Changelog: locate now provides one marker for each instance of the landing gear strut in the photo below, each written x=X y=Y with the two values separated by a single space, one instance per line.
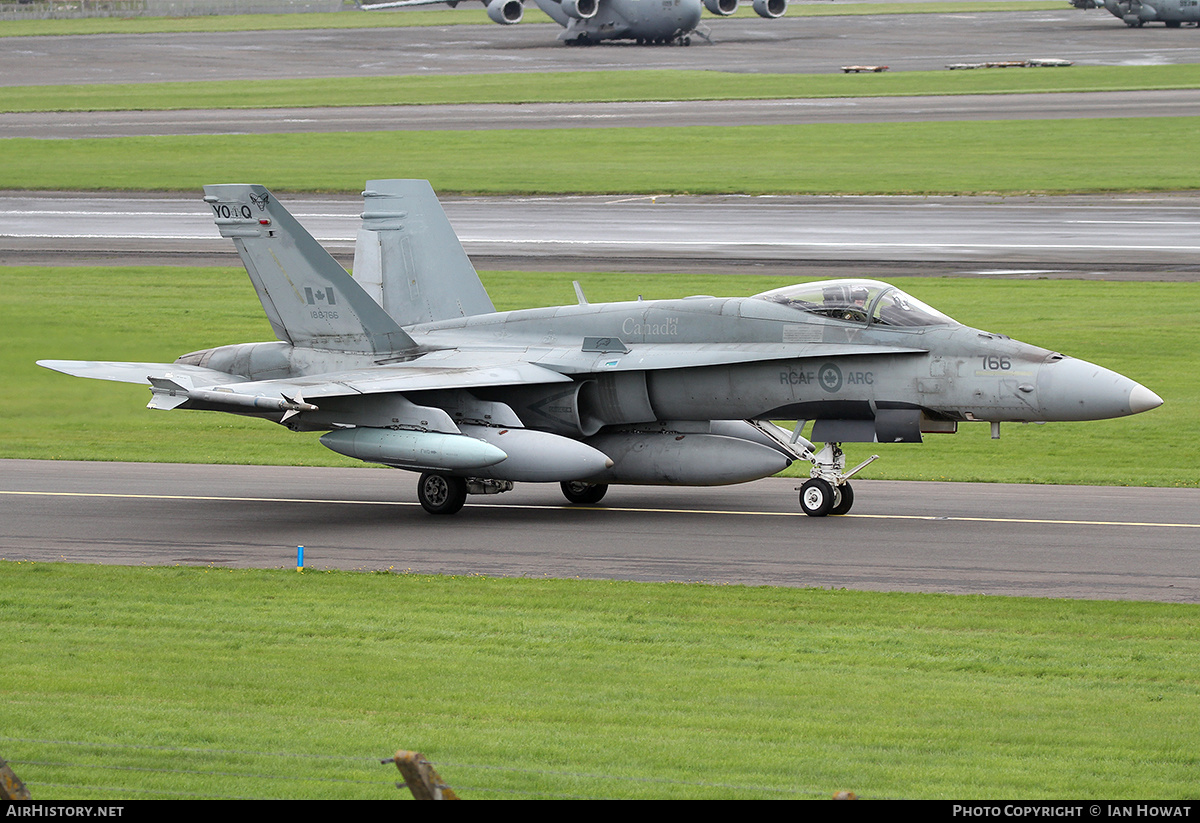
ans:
x=828 y=491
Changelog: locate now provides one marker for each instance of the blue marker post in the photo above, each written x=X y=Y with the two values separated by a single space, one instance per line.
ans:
x=299 y=558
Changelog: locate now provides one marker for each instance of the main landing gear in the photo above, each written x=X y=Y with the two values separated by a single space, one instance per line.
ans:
x=441 y=493
x=828 y=491
x=446 y=494
x=582 y=493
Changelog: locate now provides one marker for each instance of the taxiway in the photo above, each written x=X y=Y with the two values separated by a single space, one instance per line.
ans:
x=963 y=538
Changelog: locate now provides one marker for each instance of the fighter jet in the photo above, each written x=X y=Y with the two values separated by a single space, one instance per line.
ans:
x=589 y=21
x=408 y=364
x=1136 y=13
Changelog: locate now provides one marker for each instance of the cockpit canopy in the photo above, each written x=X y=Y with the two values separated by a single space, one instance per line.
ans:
x=858 y=301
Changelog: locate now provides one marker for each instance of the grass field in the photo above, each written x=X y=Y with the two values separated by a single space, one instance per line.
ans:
x=124 y=683
x=155 y=314
x=881 y=158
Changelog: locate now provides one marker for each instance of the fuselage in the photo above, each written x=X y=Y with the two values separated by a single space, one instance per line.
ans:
x=648 y=20
x=870 y=376
x=952 y=372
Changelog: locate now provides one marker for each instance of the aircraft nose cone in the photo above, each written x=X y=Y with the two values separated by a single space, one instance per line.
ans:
x=1142 y=399
x=1070 y=389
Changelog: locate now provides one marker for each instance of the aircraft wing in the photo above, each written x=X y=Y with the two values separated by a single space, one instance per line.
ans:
x=450 y=369
x=140 y=372
x=174 y=383
x=459 y=369
x=399 y=4
x=615 y=356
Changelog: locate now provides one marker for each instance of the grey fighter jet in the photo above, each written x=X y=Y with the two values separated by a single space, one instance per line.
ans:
x=408 y=364
x=586 y=22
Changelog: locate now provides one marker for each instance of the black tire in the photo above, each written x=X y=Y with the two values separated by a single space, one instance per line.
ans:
x=584 y=494
x=441 y=493
x=816 y=497
x=844 y=499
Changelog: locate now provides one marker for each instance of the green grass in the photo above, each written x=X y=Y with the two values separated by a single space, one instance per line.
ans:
x=959 y=157
x=155 y=314
x=125 y=683
x=581 y=87
x=469 y=14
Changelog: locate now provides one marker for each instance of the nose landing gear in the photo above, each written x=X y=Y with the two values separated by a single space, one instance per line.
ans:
x=828 y=490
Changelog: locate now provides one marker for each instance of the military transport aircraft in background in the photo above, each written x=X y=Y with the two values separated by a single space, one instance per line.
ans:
x=1137 y=13
x=408 y=364
x=590 y=21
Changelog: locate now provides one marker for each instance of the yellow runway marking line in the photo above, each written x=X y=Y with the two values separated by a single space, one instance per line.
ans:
x=628 y=509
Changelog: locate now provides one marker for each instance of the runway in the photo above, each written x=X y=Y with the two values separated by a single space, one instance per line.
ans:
x=1109 y=237
x=472 y=117
x=1039 y=541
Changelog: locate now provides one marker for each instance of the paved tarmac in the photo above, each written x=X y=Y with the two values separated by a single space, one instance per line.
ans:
x=474 y=117
x=1039 y=541
x=903 y=42
x=1117 y=237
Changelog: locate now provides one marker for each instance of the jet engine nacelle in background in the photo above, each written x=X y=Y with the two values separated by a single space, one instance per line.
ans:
x=581 y=9
x=506 y=12
x=723 y=8
x=770 y=9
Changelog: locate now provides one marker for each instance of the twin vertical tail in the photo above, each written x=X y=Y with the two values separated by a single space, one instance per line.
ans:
x=408 y=258
x=310 y=300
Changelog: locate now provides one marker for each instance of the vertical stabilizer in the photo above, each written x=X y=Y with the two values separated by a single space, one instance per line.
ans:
x=310 y=300
x=409 y=259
